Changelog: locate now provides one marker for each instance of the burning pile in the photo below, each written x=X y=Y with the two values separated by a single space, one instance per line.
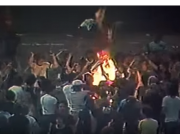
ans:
x=104 y=69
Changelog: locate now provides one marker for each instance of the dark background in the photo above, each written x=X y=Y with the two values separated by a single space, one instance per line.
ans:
x=57 y=19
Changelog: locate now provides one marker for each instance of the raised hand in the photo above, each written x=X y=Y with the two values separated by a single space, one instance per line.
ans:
x=32 y=53
x=52 y=54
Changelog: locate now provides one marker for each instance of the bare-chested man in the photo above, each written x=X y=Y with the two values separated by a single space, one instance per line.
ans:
x=39 y=66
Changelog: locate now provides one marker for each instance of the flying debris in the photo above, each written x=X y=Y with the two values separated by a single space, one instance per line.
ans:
x=88 y=24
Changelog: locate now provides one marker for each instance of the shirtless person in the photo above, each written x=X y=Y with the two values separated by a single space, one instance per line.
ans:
x=39 y=66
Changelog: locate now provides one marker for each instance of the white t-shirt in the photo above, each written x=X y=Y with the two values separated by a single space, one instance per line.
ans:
x=48 y=104
x=172 y=108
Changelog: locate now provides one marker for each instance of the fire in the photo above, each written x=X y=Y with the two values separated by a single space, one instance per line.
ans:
x=108 y=67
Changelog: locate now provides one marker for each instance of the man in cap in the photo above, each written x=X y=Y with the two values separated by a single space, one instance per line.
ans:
x=75 y=96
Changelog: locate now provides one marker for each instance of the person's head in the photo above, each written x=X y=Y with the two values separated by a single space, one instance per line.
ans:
x=30 y=80
x=18 y=80
x=10 y=96
x=18 y=109
x=62 y=108
x=90 y=55
x=77 y=67
x=144 y=66
x=152 y=80
x=25 y=109
x=158 y=38
x=131 y=99
x=176 y=67
x=107 y=130
x=147 y=111
x=77 y=85
x=39 y=59
x=47 y=86
x=88 y=78
x=173 y=88
x=163 y=66
x=67 y=89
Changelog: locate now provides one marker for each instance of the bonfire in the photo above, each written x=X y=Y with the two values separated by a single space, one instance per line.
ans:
x=104 y=69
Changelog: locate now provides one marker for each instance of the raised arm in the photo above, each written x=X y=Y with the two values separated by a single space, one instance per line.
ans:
x=83 y=70
x=69 y=69
x=55 y=63
x=31 y=60
x=151 y=63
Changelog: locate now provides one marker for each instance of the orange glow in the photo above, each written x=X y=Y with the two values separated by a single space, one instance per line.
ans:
x=108 y=67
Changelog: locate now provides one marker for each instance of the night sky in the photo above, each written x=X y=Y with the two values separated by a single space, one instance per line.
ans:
x=56 y=19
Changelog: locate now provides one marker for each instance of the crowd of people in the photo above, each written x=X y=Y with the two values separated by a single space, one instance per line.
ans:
x=142 y=99
x=140 y=95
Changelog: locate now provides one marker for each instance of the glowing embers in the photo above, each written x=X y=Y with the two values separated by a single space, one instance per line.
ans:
x=106 y=70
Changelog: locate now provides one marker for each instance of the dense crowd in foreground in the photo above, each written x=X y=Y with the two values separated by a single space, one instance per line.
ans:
x=143 y=98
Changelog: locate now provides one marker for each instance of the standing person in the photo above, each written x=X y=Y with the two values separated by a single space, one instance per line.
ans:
x=171 y=109
x=39 y=66
x=76 y=97
x=48 y=105
x=19 y=123
x=33 y=125
x=148 y=125
x=22 y=97
x=9 y=103
x=72 y=71
x=128 y=107
x=78 y=103
x=60 y=127
x=63 y=111
x=34 y=97
x=17 y=89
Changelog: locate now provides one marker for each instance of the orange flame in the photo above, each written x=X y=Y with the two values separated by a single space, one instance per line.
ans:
x=108 y=67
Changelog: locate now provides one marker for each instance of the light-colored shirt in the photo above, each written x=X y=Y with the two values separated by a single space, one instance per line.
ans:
x=76 y=100
x=148 y=126
x=171 y=108
x=48 y=104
